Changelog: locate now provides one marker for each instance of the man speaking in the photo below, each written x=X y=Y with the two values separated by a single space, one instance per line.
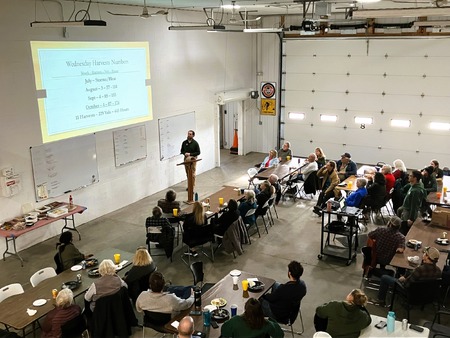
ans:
x=190 y=149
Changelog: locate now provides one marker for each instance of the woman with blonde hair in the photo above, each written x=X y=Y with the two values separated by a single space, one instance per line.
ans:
x=194 y=226
x=137 y=276
x=64 y=311
x=248 y=203
x=108 y=284
x=321 y=158
x=269 y=161
x=399 y=169
x=344 y=319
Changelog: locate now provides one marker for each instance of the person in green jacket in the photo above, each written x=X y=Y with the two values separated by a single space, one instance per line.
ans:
x=413 y=200
x=69 y=255
x=251 y=323
x=344 y=319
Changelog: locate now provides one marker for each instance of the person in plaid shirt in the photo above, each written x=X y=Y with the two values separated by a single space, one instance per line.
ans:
x=389 y=241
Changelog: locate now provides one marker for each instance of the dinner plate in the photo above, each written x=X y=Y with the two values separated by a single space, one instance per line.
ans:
x=219 y=302
x=257 y=287
x=441 y=241
x=91 y=262
x=39 y=302
x=76 y=268
x=235 y=273
x=220 y=315
x=72 y=285
x=94 y=273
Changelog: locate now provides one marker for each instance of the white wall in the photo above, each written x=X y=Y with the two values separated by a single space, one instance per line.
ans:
x=187 y=68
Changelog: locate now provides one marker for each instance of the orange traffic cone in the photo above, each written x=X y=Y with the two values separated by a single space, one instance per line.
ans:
x=234 y=147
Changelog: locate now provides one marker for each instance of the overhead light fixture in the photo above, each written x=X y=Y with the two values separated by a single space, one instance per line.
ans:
x=401 y=123
x=328 y=118
x=200 y=28
x=439 y=126
x=296 y=116
x=231 y=6
x=400 y=12
x=55 y=24
x=437 y=23
x=263 y=30
x=367 y=1
x=363 y=120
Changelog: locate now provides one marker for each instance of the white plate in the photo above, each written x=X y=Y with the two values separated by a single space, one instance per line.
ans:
x=235 y=273
x=39 y=302
x=76 y=268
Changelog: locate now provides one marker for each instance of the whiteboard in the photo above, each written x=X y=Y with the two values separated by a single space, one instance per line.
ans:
x=130 y=145
x=62 y=166
x=172 y=132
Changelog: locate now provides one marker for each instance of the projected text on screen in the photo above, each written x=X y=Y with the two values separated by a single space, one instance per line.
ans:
x=84 y=87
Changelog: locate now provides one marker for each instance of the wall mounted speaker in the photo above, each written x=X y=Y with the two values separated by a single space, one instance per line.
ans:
x=254 y=94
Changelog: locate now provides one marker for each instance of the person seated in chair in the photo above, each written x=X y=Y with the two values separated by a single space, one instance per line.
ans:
x=428 y=270
x=68 y=254
x=156 y=300
x=376 y=193
x=284 y=152
x=158 y=227
x=270 y=160
x=169 y=202
x=389 y=241
x=346 y=167
x=321 y=158
x=186 y=327
x=330 y=180
x=251 y=323
x=265 y=193
x=344 y=319
x=249 y=202
x=386 y=170
x=284 y=297
x=310 y=167
x=428 y=180
x=143 y=266
x=437 y=172
x=64 y=311
x=108 y=284
x=274 y=181
x=228 y=217
x=355 y=198
x=192 y=223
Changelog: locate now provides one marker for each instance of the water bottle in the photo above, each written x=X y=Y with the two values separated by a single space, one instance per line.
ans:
x=196 y=197
x=391 y=321
x=197 y=297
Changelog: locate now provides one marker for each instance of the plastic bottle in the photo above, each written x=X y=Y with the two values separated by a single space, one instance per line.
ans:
x=390 y=321
x=197 y=297
x=70 y=201
x=196 y=197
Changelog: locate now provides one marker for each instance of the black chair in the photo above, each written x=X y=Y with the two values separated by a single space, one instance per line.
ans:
x=59 y=266
x=418 y=293
x=197 y=272
x=136 y=287
x=165 y=242
x=74 y=328
x=156 y=321
x=295 y=311
x=438 y=330
x=311 y=184
x=262 y=211
x=197 y=237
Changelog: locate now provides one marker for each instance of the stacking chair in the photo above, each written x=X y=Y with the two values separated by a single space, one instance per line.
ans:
x=251 y=177
x=156 y=321
x=197 y=272
x=370 y=270
x=166 y=242
x=310 y=185
x=290 y=321
x=248 y=225
x=418 y=293
x=262 y=211
x=41 y=275
x=75 y=328
x=10 y=290
x=271 y=203
x=438 y=330
x=198 y=238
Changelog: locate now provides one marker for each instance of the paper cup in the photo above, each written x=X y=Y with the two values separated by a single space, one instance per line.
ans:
x=235 y=280
x=220 y=201
x=244 y=285
x=288 y=158
x=175 y=212
x=117 y=258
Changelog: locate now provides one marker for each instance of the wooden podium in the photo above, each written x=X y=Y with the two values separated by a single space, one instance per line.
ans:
x=190 y=177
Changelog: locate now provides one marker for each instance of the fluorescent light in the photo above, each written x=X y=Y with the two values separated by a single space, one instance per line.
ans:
x=442 y=23
x=328 y=118
x=401 y=123
x=192 y=28
x=263 y=30
x=55 y=24
x=439 y=126
x=296 y=116
x=367 y=1
x=363 y=120
x=232 y=6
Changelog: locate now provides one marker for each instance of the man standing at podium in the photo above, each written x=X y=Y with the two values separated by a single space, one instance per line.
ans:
x=190 y=149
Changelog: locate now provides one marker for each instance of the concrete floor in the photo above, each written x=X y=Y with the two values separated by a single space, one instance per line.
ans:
x=295 y=236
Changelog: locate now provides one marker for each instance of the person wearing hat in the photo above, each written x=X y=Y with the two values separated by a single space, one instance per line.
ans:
x=345 y=166
x=428 y=179
x=389 y=241
x=428 y=270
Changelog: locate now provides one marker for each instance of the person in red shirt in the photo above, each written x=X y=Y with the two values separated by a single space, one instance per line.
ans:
x=390 y=179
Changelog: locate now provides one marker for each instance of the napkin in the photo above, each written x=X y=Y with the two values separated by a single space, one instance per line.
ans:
x=120 y=266
x=31 y=312
x=175 y=324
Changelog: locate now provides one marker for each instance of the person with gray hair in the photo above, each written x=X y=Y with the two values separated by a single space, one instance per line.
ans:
x=355 y=198
x=390 y=179
x=285 y=151
x=64 y=311
x=274 y=180
x=389 y=241
x=249 y=202
x=186 y=327
x=108 y=284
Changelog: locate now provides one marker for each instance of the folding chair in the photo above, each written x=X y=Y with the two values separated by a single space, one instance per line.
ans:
x=41 y=275
x=252 y=172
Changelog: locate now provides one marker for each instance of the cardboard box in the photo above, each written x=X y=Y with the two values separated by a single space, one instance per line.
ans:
x=441 y=217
